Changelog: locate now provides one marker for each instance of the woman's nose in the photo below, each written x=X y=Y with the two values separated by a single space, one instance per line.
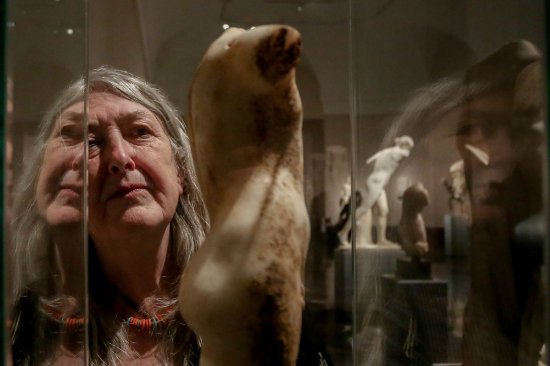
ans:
x=78 y=159
x=118 y=156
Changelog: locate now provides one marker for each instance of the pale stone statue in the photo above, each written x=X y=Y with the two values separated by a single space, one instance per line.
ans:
x=242 y=293
x=343 y=226
x=345 y=194
x=336 y=176
x=364 y=228
x=375 y=204
x=459 y=202
x=412 y=231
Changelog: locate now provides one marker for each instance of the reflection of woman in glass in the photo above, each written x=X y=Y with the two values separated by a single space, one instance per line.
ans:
x=146 y=218
x=503 y=105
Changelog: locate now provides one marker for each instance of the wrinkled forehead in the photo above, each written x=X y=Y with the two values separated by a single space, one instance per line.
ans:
x=104 y=105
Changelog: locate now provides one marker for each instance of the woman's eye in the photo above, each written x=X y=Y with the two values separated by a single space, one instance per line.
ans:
x=142 y=132
x=70 y=133
x=93 y=142
x=65 y=133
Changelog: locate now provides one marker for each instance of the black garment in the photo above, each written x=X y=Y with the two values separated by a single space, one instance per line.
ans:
x=35 y=337
x=312 y=350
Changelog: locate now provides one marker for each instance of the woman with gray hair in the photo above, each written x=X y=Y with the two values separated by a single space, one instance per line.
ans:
x=145 y=219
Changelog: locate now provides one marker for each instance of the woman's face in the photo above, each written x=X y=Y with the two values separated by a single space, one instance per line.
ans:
x=132 y=176
x=133 y=179
x=60 y=182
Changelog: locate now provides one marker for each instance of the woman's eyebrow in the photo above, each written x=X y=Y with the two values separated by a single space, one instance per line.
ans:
x=135 y=115
x=73 y=116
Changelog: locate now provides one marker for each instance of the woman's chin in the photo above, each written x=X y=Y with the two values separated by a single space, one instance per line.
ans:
x=68 y=216
x=137 y=216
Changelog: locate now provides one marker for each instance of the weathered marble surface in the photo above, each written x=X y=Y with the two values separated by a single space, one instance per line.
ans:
x=242 y=293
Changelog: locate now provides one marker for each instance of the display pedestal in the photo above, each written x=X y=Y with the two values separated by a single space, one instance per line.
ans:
x=413 y=268
x=457 y=235
x=372 y=262
x=414 y=321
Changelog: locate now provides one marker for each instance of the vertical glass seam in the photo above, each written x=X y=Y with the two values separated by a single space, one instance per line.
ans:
x=3 y=306
x=85 y=189
x=546 y=271
x=353 y=151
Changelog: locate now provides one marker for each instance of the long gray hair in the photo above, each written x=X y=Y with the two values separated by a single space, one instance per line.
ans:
x=34 y=249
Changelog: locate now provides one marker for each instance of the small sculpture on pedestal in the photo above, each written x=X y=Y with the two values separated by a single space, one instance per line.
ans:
x=459 y=201
x=385 y=162
x=412 y=233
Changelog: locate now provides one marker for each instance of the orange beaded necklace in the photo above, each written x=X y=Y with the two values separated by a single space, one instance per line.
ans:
x=75 y=321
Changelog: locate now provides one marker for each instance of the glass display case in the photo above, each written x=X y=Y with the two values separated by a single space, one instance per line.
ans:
x=424 y=178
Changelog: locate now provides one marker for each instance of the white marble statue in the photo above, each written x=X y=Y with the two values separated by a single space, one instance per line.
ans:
x=336 y=174
x=412 y=231
x=342 y=225
x=345 y=194
x=242 y=293
x=385 y=162
x=375 y=203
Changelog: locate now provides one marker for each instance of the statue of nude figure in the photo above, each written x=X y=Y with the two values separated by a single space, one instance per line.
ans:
x=385 y=162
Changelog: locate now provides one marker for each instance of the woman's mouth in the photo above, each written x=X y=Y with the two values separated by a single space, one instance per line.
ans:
x=70 y=189
x=127 y=191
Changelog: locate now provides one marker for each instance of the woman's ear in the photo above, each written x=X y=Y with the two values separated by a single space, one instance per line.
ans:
x=181 y=185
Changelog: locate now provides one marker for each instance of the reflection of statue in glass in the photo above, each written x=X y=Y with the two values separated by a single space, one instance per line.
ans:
x=375 y=206
x=459 y=202
x=412 y=231
x=498 y=140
